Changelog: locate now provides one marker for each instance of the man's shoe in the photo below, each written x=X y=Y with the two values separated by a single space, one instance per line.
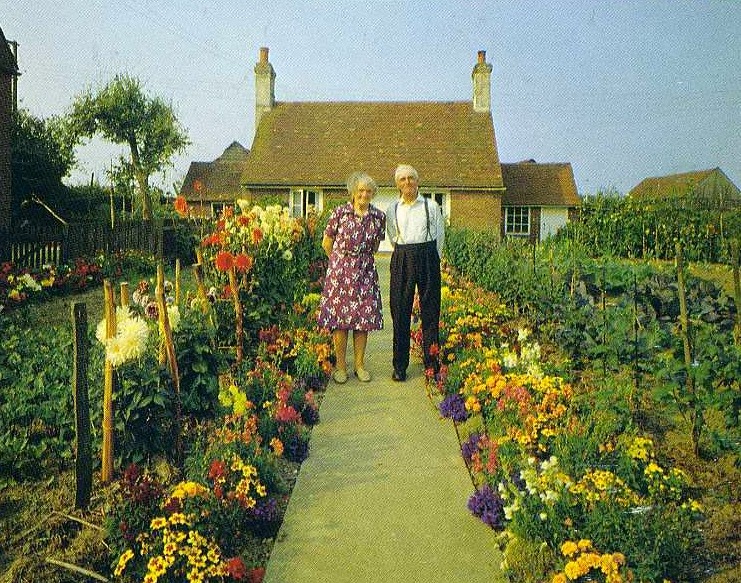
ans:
x=399 y=376
x=340 y=376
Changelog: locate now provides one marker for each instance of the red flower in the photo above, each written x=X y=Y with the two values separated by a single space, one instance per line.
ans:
x=181 y=206
x=224 y=261
x=287 y=414
x=243 y=262
x=257 y=236
x=257 y=574
x=216 y=470
x=434 y=349
x=210 y=240
x=243 y=220
x=236 y=568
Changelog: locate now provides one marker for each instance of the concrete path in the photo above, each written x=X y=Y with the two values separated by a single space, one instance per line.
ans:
x=382 y=496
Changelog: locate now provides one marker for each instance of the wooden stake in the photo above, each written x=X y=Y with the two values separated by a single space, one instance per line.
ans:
x=168 y=348
x=177 y=281
x=106 y=471
x=84 y=456
x=238 y=317
x=735 y=252
x=684 y=322
x=125 y=297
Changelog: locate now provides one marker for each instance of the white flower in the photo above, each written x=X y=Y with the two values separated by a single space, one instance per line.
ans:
x=28 y=281
x=130 y=340
x=522 y=334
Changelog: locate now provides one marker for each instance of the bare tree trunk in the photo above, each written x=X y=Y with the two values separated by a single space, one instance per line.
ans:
x=142 y=180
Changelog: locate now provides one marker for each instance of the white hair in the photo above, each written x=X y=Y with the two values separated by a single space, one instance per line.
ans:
x=405 y=170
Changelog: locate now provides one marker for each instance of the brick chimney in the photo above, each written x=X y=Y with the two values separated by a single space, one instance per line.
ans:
x=264 y=86
x=482 y=84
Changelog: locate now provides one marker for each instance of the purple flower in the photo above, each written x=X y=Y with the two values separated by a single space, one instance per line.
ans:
x=488 y=506
x=470 y=446
x=453 y=407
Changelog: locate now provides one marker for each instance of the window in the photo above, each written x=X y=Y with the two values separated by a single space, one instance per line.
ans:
x=303 y=199
x=216 y=208
x=517 y=220
x=440 y=198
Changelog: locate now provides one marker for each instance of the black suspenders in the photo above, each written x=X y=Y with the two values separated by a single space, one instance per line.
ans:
x=427 y=217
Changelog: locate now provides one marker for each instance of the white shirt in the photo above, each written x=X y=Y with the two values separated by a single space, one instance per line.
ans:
x=406 y=223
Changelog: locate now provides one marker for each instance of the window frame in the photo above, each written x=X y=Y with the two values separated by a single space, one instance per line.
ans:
x=300 y=206
x=517 y=226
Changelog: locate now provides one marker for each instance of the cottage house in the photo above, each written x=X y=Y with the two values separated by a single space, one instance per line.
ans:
x=8 y=74
x=303 y=152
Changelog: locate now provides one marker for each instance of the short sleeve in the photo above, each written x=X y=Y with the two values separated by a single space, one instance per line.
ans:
x=333 y=224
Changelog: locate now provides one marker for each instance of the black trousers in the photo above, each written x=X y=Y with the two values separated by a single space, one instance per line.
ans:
x=415 y=266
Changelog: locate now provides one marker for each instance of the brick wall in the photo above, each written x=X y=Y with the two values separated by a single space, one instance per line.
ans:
x=476 y=210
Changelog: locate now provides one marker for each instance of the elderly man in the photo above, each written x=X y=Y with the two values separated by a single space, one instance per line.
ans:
x=416 y=229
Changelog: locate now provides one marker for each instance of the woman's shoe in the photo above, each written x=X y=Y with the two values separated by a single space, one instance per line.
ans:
x=363 y=375
x=340 y=376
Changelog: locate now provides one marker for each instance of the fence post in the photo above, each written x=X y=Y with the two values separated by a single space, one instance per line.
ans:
x=735 y=252
x=83 y=459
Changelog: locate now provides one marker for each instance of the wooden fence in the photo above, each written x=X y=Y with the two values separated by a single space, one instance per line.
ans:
x=56 y=244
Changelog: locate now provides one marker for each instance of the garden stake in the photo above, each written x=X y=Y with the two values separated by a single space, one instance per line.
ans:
x=177 y=281
x=736 y=286
x=106 y=470
x=167 y=347
x=125 y=298
x=685 y=327
x=238 y=320
x=83 y=459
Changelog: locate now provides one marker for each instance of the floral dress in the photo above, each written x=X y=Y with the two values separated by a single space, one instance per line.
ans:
x=351 y=298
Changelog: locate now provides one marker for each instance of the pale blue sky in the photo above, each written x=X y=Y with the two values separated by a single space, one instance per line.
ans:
x=622 y=89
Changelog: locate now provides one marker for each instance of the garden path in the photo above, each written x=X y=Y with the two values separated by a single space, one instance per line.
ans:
x=382 y=496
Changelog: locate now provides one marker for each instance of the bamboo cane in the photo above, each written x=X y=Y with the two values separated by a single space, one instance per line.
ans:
x=685 y=331
x=106 y=471
x=736 y=286
x=177 y=281
x=125 y=296
x=238 y=317
x=168 y=349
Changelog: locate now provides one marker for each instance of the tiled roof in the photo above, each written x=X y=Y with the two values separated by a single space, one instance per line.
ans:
x=532 y=184
x=320 y=144
x=7 y=60
x=672 y=184
x=220 y=177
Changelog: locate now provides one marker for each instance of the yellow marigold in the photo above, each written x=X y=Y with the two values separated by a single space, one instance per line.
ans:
x=573 y=570
x=569 y=548
x=584 y=544
x=472 y=404
x=559 y=578
x=178 y=518
x=157 y=523
x=127 y=555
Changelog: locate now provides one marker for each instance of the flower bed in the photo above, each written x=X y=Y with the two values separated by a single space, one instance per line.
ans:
x=578 y=490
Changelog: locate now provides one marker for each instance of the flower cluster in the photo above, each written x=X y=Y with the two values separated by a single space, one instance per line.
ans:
x=583 y=560
x=130 y=340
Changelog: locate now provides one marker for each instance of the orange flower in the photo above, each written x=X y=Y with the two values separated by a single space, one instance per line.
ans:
x=243 y=262
x=257 y=235
x=224 y=261
x=181 y=206
x=243 y=220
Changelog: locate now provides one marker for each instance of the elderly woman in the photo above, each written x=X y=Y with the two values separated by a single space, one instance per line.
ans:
x=351 y=298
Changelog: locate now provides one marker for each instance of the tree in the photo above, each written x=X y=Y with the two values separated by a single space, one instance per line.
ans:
x=41 y=157
x=123 y=114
